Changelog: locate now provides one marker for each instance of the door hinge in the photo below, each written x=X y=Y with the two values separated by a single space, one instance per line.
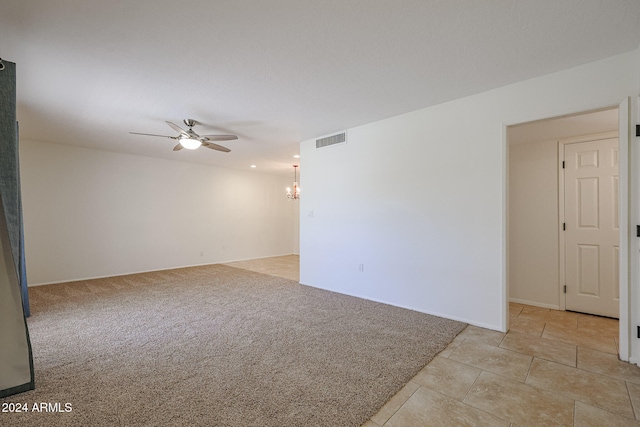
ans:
x=563 y=164
x=637 y=130
x=637 y=230
x=638 y=331
x=565 y=289
x=564 y=226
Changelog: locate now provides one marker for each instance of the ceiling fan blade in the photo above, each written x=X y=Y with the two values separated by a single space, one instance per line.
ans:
x=215 y=146
x=177 y=128
x=151 y=134
x=220 y=137
x=177 y=147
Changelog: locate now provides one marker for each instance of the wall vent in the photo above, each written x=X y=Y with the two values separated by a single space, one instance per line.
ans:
x=339 y=138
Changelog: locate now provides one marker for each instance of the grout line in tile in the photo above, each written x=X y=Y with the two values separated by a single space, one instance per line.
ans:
x=465 y=396
x=543 y=329
x=560 y=394
x=599 y=374
x=494 y=373
x=474 y=383
x=635 y=416
x=489 y=413
x=403 y=403
x=587 y=370
x=526 y=377
x=503 y=337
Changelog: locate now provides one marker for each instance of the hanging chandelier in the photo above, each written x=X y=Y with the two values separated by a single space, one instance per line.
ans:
x=295 y=193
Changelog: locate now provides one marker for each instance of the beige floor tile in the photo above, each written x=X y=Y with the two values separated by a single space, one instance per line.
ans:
x=581 y=339
x=429 y=408
x=547 y=313
x=590 y=416
x=519 y=403
x=395 y=403
x=515 y=308
x=286 y=266
x=540 y=348
x=594 y=389
x=559 y=318
x=534 y=309
x=634 y=394
x=569 y=323
x=451 y=347
x=493 y=359
x=607 y=364
x=598 y=325
x=369 y=424
x=451 y=378
x=527 y=325
x=486 y=336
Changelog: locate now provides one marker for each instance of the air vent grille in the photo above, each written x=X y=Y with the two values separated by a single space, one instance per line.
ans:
x=339 y=138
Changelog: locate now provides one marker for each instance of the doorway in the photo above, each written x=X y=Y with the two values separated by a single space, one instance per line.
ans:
x=535 y=256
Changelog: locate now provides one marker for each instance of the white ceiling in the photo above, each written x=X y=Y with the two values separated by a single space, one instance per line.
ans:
x=276 y=72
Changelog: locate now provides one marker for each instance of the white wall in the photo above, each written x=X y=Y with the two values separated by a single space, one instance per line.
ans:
x=420 y=199
x=296 y=228
x=295 y=205
x=91 y=213
x=533 y=224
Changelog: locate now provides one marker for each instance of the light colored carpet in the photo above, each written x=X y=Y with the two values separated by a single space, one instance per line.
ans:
x=218 y=346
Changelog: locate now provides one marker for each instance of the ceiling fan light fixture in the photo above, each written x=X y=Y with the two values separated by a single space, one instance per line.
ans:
x=190 y=140
x=190 y=143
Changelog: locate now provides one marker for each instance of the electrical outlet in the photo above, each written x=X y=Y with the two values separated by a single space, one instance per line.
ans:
x=310 y=214
x=360 y=268
x=201 y=253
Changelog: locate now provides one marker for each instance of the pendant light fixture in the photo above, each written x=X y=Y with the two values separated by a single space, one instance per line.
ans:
x=295 y=193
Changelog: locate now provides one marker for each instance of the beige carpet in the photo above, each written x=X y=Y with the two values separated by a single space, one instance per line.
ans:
x=218 y=346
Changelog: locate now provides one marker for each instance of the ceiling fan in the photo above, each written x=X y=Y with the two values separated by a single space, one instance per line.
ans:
x=190 y=140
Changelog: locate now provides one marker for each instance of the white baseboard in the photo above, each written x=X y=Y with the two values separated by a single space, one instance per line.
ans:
x=535 y=304
x=80 y=279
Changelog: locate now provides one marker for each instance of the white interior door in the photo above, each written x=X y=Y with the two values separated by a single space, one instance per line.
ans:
x=592 y=228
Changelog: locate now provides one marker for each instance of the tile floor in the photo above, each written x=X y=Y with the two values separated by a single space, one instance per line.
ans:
x=287 y=266
x=551 y=368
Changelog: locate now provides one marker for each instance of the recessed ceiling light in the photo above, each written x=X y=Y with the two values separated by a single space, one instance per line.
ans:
x=296 y=156
x=253 y=166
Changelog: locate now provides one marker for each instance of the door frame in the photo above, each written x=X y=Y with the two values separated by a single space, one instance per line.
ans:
x=561 y=213
x=629 y=203
x=628 y=115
